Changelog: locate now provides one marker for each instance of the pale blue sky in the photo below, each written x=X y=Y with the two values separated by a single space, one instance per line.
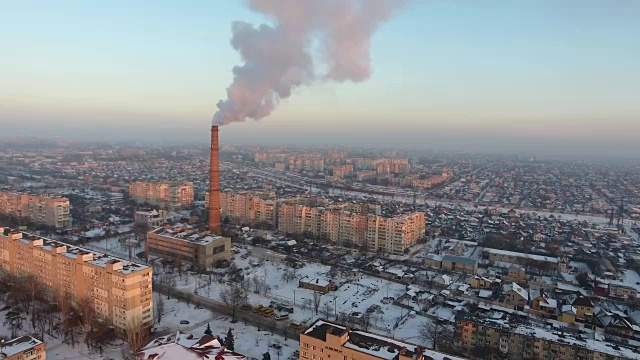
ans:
x=566 y=71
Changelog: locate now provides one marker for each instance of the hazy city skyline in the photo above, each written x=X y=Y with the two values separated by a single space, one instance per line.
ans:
x=542 y=77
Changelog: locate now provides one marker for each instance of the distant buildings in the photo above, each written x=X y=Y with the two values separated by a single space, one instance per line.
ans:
x=167 y=195
x=341 y=223
x=186 y=243
x=248 y=207
x=186 y=347
x=327 y=340
x=40 y=209
x=119 y=290
x=23 y=348
x=486 y=338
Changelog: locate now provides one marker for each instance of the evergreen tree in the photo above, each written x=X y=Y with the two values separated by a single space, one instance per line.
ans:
x=228 y=341
x=266 y=356
x=208 y=331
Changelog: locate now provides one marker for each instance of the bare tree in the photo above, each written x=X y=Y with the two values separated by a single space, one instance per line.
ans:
x=430 y=331
x=137 y=335
x=316 y=301
x=159 y=307
x=257 y=285
x=71 y=328
x=278 y=348
x=179 y=266
x=14 y=321
x=99 y=336
x=168 y=281
x=33 y=285
x=307 y=304
x=233 y=297
x=326 y=310
x=87 y=311
x=365 y=321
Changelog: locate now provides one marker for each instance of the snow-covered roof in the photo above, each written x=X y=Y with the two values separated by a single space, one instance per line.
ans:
x=522 y=255
x=186 y=233
x=186 y=347
x=371 y=344
x=18 y=345
x=316 y=281
x=593 y=344
x=90 y=257
x=517 y=289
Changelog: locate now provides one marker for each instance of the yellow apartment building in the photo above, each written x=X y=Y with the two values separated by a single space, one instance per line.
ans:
x=248 y=207
x=120 y=291
x=395 y=234
x=40 y=209
x=170 y=194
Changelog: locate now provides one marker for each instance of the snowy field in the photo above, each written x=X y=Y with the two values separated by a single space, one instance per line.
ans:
x=356 y=294
x=248 y=340
x=56 y=350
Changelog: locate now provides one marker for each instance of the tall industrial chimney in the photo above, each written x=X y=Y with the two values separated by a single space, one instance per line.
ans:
x=214 y=184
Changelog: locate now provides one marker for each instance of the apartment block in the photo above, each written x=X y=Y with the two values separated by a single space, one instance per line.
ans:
x=394 y=234
x=186 y=243
x=485 y=338
x=23 y=348
x=40 y=209
x=325 y=340
x=248 y=207
x=119 y=290
x=167 y=195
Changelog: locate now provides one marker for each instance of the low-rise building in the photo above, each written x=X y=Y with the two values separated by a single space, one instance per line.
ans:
x=524 y=259
x=186 y=243
x=459 y=264
x=317 y=284
x=515 y=295
x=186 y=347
x=151 y=219
x=23 y=348
x=328 y=340
x=482 y=337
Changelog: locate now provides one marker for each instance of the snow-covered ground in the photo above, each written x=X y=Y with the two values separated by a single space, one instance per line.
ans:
x=56 y=350
x=356 y=294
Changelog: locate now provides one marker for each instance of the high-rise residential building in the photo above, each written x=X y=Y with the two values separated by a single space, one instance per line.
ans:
x=353 y=224
x=39 y=209
x=248 y=207
x=394 y=234
x=487 y=338
x=118 y=290
x=23 y=348
x=188 y=244
x=325 y=340
x=167 y=195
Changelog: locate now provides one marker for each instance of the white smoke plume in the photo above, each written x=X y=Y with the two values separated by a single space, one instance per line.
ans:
x=310 y=40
